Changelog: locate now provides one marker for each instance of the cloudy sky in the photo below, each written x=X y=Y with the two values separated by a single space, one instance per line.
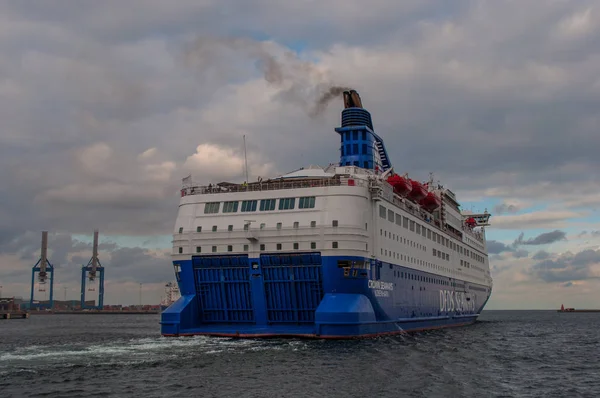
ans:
x=105 y=106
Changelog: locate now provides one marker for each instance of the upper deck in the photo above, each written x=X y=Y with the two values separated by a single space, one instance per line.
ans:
x=348 y=176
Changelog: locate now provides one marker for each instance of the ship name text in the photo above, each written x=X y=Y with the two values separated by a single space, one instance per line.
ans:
x=382 y=289
x=456 y=301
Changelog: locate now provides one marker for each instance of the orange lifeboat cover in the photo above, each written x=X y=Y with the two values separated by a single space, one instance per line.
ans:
x=401 y=185
x=418 y=191
x=430 y=202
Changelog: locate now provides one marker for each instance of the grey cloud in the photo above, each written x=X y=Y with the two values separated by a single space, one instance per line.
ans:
x=542 y=239
x=495 y=247
x=541 y=255
x=505 y=208
x=521 y=254
x=137 y=264
x=567 y=267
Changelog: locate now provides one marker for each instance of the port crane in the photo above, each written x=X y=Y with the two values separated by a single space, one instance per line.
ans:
x=89 y=273
x=45 y=277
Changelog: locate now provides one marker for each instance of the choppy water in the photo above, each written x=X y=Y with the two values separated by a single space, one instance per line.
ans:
x=505 y=354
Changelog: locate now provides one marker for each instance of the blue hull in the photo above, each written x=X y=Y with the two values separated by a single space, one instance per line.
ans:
x=307 y=295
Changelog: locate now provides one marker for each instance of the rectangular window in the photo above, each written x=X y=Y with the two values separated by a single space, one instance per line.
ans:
x=198 y=249
x=229 y=248
x=412 y=225
x=198 y=229
x=355 y=135
x=262 y=247
x=214 y=228
x=214 y=249
x=279 y=246
x=398 y=219
x=246 y=226
x=230 y=207
x=364 y=135
x=334 y=223
x=295 y=245
x=307 y=202
x=296 y=224
x=355 y=148
x=348 y=149
x=249 y=205
x=313 y=245
x=180 y=230
x=382 y=211
x=364 y=149
x=262 y=225
x=313 y=224
x=267 y=204
x=278 y=225
x=390 y=216
x=245 y=248
x=230 y=228
x=334 y=245
x=211 y=207
x=405 y=222
x=180 y=250
x=287 y=203
x=418 y=229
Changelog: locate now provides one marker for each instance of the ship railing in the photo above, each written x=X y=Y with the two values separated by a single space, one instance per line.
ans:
x=414 y=209
x=478 y=235
x=272 y=185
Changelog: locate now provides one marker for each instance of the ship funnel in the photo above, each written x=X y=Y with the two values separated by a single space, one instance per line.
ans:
x=360 y=146
x=354 y=114
x=352 y=99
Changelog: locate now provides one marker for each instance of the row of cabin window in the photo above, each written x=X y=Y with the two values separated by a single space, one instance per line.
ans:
x=313 y=224
x=307 y=202
x=425 y=232
x=403 y=240
x=426 y=279
x=413 y=260
x=279 y=246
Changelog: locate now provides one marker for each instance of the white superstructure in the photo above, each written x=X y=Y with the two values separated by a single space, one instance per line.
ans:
x=345 y=211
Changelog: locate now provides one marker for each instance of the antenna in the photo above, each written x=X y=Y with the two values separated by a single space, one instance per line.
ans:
x=245 y=159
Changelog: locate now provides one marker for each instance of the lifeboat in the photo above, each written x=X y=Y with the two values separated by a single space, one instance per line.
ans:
x=418 y=191
x=430 y=202
x=471 y=223
x=402 y=186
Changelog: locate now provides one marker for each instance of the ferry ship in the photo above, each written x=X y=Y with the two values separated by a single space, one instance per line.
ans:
x=348 y=250
x=171 y=295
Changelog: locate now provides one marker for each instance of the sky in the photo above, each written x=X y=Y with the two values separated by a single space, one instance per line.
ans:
x=106 y=106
